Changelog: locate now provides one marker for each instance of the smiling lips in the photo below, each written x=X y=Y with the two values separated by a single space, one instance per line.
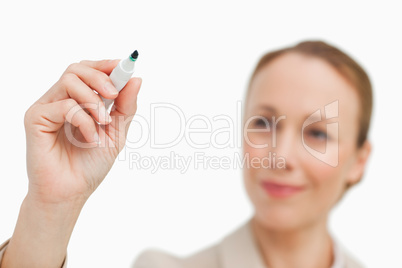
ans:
x=280 y=190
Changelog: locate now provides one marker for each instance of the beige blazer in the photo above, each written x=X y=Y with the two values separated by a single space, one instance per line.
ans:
x=236 y=250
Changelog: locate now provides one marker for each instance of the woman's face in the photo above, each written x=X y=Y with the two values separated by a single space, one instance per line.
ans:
x=301 y=174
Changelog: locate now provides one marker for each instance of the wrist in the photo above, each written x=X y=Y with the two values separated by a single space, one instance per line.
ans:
x=50 y=198
x=42 y=233
x=53 y=208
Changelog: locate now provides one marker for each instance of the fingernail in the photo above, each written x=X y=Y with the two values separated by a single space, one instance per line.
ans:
x=110 y=88
x=103 y=114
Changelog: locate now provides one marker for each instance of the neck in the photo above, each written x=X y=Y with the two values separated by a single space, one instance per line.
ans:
x=309 y=246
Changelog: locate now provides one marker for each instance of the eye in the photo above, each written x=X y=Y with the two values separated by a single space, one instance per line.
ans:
x=318 y=134
x=262 y=123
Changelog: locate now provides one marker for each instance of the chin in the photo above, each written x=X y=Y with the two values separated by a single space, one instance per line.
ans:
x=278 y=219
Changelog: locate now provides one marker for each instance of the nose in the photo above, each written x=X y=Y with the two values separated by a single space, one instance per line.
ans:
x=286 y=147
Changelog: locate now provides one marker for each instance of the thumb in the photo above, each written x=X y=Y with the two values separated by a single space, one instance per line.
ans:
x=125 y=105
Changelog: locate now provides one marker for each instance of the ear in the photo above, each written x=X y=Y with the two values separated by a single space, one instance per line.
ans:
x=357 y=169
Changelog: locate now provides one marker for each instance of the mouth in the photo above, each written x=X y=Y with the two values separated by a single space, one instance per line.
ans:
x=278 y=190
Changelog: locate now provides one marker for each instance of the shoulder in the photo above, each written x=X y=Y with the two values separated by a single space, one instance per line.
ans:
x=235 y=250
x=208 y=257
x=345 y=258
x=350 y=261
x=155 y=258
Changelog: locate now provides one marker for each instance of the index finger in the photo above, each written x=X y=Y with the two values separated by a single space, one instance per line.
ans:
x=105 y=66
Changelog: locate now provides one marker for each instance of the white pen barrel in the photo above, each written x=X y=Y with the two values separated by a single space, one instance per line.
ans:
x=120 y=76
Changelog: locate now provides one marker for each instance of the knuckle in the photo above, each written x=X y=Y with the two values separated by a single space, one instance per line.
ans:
x=97 y=79
x=69 y=103
x=67 y=79
x=28 y=115
x=84 y=121
x=101 y=63
x=72 y=67
x=32 y=114
x=99 y=76
x=71 y=109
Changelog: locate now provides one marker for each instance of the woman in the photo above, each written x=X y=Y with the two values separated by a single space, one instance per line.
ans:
x=307 y=105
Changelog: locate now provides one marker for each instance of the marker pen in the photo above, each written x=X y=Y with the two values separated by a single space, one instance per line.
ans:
x=121 y=74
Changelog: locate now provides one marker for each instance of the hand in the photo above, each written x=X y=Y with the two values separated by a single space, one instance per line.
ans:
x=64 y=160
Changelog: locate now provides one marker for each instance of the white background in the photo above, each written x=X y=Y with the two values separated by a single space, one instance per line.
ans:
x=198 y=56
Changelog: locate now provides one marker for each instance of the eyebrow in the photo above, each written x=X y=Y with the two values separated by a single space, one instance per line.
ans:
x=274 y=111
x=267 y=108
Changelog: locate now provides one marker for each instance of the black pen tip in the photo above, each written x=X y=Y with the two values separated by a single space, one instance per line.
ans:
x=134 y=55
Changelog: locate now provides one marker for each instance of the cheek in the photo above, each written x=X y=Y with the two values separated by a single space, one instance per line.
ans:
x=250 y=171
x=327 y=182
x=256 y=158
x=257 y=146
x=322 y=176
